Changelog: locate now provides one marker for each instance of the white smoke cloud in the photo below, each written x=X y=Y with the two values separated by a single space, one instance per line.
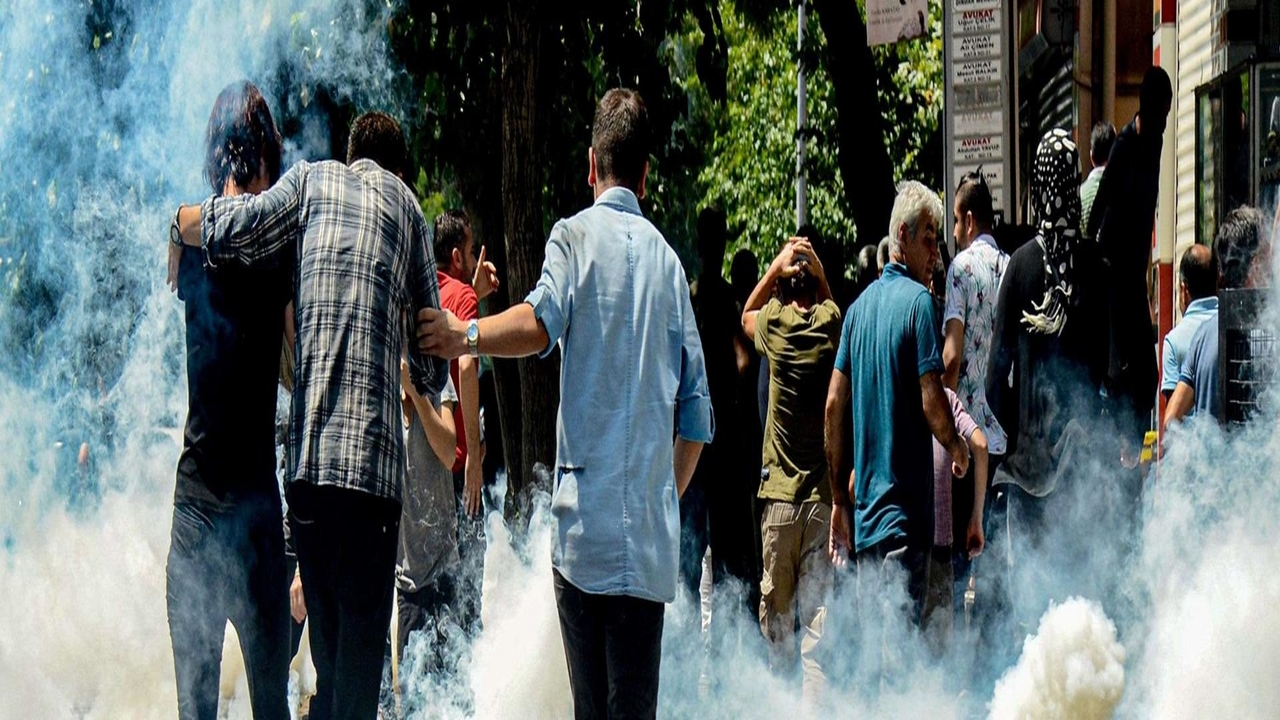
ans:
x=98 y=146
x=1073 y=667
x=101 y=136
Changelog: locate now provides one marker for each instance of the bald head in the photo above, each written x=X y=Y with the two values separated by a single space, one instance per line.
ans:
x=1199 y=272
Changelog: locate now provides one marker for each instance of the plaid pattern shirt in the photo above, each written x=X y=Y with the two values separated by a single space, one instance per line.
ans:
x=363 y=269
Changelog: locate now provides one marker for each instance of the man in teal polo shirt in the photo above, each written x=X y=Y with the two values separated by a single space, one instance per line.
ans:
x=888 y=363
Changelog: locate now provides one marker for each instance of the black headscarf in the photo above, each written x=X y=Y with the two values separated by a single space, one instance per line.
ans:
x=1055 y=200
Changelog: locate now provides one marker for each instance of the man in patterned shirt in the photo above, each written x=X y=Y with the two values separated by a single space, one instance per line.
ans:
x=969 y=320
x=362 y=267
x=973 y=281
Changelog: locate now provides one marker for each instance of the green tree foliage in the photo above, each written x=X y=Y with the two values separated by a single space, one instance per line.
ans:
x=911 y=93
x=751 y=169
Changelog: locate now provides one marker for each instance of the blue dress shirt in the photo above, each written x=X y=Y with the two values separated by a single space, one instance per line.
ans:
x=614 y=296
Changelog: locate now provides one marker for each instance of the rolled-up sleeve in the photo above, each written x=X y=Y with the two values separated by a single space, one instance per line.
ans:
x=695 y=420
x=552 y=297
x=253 y=230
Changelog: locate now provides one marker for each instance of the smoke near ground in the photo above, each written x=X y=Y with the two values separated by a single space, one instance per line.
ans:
x=101 y=133
x=1073 y=667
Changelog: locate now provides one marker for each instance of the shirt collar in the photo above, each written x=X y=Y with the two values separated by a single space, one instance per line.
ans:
x=1203 y=305
x=1097 y=171
x=985 y=238
x=620 y=198
x=896 y=268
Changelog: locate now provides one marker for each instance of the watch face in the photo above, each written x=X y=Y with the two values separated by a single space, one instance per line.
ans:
x=473 y=332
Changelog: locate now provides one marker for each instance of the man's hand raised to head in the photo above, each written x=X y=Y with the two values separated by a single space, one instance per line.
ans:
x=441 y=334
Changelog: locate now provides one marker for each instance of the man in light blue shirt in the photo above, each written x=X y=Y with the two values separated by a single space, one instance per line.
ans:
x=1198 y=275
x=1243 y=253
x=614 y=296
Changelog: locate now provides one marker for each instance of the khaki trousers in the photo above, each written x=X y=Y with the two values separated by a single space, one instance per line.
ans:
x=796 y=583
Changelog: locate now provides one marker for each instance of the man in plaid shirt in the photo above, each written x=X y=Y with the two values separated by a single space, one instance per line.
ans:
x=362 y=266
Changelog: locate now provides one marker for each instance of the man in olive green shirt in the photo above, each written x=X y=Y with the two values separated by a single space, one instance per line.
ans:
x=798 y=332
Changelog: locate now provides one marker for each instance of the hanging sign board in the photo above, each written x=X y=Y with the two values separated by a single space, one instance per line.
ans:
x=978 y=124
x=889 y=21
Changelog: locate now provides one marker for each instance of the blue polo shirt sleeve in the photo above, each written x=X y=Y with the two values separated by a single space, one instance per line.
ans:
x=844 y=359
x=1187 y=371
x=1170 y=369
x=923 y=328
x=695 y=420
x=552 y=297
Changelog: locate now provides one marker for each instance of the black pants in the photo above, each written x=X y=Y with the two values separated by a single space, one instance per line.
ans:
x=613 y=644
x=725 y=518
x=229 y=565
x=346 y=542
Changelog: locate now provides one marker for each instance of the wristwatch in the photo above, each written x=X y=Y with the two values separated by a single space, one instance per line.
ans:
x=473 y=338
x=175 y=232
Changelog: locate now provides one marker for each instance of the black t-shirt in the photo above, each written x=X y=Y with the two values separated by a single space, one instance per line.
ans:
x=235 y=327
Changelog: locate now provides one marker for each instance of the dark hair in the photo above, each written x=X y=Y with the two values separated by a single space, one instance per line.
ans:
x=1156 y=92
x=1238 y=240
x=974 y=197
x=712 y=231
x=1199 y=270
x=451 y=229
x=620 y=138
x=1100 y=142
x=241 y=138
x=377 y=136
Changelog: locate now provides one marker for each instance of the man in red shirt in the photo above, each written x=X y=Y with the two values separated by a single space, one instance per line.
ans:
x=464 y=274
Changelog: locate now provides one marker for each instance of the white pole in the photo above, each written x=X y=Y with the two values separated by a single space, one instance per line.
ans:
x=802 y=120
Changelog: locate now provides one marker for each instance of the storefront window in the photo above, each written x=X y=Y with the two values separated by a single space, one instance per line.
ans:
x=1235 y=188
x=1208 y=112
x=1268 y=136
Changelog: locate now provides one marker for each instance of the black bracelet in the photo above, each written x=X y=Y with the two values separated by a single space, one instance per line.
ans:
x=175 y=231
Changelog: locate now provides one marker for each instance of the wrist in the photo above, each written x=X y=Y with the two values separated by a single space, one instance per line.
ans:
x=472 y=337
x=175 y=228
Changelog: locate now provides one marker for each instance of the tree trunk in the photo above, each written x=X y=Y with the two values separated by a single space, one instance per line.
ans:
x=864 y=161
x=522 y=225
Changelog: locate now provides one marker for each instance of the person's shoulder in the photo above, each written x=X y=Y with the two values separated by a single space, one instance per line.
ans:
x=1031 y=254
x=1125 y=139
x=963 y=260
x=828 y=309
x=1207 y=330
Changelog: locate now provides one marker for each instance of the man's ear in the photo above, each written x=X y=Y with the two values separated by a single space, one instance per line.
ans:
x=644 y=177
x=591 y=167
x=455 y=258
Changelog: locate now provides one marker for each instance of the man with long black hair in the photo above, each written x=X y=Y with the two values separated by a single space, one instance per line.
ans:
x=362 y=266
x=226 y=558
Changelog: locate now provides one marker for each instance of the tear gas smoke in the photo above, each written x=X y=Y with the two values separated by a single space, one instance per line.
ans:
x=1073 y=667
x=101 y=133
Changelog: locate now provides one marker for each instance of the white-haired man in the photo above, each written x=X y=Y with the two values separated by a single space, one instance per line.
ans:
x=888 y=362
